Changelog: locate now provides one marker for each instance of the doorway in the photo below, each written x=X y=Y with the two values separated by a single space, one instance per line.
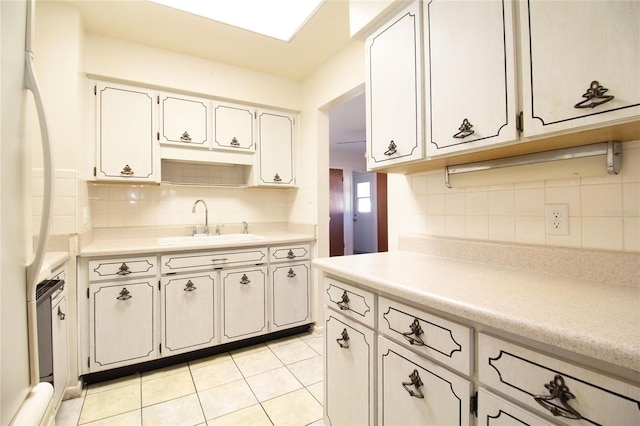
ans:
x=336 y=213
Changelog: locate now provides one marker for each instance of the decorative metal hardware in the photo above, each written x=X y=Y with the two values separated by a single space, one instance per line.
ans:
x=277 y=178
x=234 y=142
x=185 y=137
x=594 y=96
x=123 y=270
x=416 y=331
x=391 y=149
x=415 y=381
x=126 y=171
x=343 y=304
x=244 y=279
x=291 y=274
x=190 y=286
x=61 y=315
x=290 y=254
x=222 y=259
x=558 y=390
x=124 y=294
x=465 y=130
x=344 y=340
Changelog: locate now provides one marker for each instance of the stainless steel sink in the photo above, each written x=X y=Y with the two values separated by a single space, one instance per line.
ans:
x=206 y=239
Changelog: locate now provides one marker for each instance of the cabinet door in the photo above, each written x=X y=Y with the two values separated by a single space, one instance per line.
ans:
x=349 y=372
x=188 y=318
x=184 y=120
x=60 y=339
x=470 y=88
x=275 y=149
x=394 y=91
x=122 y=324
x=580 y=63
x=126 y=128
x=413 y=390
x=233 y=127
x=244 y=301
x=290 y=295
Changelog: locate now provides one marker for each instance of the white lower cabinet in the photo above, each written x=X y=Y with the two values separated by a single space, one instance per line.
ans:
x=495 y=411
x=244 y=297
x=189 y=308
x=349 y=371
x=290 y=294
x=60 y=344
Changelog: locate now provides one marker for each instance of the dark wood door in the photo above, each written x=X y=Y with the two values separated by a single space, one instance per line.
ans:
x=336 y=213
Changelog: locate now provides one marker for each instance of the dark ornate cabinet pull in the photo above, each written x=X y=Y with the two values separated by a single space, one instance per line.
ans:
x=343 y=304
x=391 y=149
x=291 y=274
x=127 y=171
x=244 y=279
x=234 y=142
x=189 y=286
x=277 y=178
x=594 y=96
x=344 y=340
x=185 y=137
x=415 y=381
x=124 y=294
x=558 y=390
x=291 y=255
x=123 y=270
x=416 y=331
x=61 y=315
x=465 y=130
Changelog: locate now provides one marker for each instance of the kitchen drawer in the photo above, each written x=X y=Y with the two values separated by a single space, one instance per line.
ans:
x=445 y=341
x=289 y=252
x=414 y=391
x=121 y=268
x=495 y=411
x=181 y=262
x=351 y=301
x=534 y=379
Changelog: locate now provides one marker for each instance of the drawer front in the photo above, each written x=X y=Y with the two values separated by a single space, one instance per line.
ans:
x=414 y=391
x=495 y=411
x=438 y=338
x=541 y=382
x=351 y=301
x=289 y=253
x=122 y=268
x=180 y=262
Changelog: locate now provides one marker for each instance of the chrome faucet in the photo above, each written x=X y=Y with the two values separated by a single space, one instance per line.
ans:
x=245 y=228
x=206 y=217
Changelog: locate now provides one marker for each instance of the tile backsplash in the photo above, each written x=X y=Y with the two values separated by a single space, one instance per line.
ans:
x=604 y=212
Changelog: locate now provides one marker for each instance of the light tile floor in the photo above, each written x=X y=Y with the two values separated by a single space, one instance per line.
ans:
x=274 y=383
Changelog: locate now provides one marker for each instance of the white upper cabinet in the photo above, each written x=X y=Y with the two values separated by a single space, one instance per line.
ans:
x=233 y=127
x=580 y=63
x=126 y=124
x=394 y=91
x=470 y=86
x=276 y=134
x=184 y=121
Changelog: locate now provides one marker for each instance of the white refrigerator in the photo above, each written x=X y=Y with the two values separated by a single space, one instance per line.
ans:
x=22 y=399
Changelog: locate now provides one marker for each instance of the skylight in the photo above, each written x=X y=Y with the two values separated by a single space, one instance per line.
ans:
x=280 y=19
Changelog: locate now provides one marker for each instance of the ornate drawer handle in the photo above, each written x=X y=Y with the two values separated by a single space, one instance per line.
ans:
x=185 y=137
x=127 y=171
x=291 y=255
x=124 y=294
x=465 y=130
x=558 y=390
x=61 y=315
x=189 y=286
x=277 y=178
x=391 y=149
x=123 y=270
x=222 y=259
x=291 y=274
x=344 y=302
x=594 y=96
x=415 y=381
x=344 y=340
x=416 y=331
x=244 y=279
x=234 y=142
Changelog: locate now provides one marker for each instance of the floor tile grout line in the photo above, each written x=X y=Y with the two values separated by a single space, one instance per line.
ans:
x=252 y=392
x=204 y=415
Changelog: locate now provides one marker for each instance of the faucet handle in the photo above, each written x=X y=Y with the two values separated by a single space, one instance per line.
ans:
x=218 y=229
x=245 y=227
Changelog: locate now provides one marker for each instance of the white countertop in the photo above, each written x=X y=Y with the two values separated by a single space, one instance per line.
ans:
x=600 y=321
x=52 y=261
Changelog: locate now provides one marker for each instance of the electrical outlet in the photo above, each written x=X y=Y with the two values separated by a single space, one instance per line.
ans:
x=557 y=219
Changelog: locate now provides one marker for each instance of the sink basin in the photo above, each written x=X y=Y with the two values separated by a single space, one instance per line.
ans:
x=206 y=239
